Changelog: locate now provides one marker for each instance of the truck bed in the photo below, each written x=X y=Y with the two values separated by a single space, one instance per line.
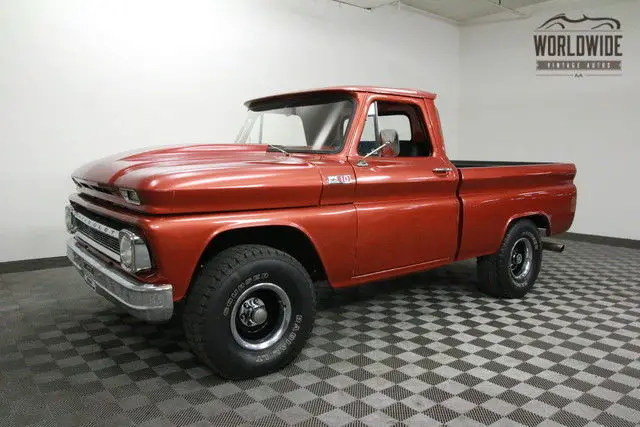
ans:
x=492 y=193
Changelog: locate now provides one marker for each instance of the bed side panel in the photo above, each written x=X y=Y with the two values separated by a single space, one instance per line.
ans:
x=494 y=196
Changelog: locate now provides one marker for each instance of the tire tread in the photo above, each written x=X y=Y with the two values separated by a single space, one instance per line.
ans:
x=215 y=271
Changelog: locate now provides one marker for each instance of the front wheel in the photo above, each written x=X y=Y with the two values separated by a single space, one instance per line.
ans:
x=250 y=311
x=512 y=271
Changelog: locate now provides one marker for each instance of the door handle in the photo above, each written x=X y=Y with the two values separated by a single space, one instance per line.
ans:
x=441 y=170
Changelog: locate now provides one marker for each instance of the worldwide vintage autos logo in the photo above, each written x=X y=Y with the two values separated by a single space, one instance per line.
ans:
x=579 y=47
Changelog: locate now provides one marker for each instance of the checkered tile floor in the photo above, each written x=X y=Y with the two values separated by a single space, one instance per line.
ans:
x=423 y=350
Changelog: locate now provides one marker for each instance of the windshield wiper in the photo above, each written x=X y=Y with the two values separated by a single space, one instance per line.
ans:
x=282 y=150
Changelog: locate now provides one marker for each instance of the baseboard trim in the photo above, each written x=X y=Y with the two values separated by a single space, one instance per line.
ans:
x=63 y=261
x=34 y=264
x=600 y=240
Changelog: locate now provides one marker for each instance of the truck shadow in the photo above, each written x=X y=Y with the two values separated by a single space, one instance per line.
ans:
x=456 y=279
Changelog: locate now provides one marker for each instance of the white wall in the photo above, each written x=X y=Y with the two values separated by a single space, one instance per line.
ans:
x=81 y=79
x=508 y=113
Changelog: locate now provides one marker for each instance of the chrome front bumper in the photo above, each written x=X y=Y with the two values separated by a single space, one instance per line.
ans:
x=152 y=303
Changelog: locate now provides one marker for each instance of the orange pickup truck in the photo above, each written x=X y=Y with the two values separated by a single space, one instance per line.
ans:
x=322 y=189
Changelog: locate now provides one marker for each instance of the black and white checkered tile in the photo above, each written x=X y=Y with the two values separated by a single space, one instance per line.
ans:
x=422 y=350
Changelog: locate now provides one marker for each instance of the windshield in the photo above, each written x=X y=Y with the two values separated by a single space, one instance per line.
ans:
x=299 y=124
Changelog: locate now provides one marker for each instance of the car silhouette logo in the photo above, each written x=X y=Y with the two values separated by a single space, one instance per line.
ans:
x=563 y=22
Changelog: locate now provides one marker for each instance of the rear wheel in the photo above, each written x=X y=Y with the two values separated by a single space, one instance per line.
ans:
x=250 y=311
x=512 y=271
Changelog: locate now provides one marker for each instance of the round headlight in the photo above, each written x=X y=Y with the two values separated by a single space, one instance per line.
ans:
x=69 y=220
x=126 y=250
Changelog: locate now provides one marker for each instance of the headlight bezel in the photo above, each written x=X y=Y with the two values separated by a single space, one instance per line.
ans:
x=140 y=255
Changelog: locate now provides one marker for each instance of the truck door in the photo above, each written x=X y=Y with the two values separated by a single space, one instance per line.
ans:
x=406 y=201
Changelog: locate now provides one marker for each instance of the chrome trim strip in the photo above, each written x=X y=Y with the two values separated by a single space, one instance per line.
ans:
x=85 y=181
x=97 y=246
x=142 y=300
x=96 y=225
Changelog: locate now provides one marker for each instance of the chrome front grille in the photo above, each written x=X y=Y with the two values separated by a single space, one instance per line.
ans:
x=98 y=232
x=105 y=240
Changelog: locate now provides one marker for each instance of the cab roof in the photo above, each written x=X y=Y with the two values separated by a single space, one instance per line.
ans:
x=349 y=89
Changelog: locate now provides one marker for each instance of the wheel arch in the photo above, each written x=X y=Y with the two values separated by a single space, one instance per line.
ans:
x=540 y=219
x=289 y=238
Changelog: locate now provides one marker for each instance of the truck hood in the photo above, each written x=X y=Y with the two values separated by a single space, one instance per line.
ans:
x=203 y=178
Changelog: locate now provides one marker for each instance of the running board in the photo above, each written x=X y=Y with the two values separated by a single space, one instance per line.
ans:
x=551 y=246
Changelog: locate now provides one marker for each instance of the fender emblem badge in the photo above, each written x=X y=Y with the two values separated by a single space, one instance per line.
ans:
x=339 y=179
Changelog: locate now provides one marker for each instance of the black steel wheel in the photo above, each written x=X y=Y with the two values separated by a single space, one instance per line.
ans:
x=513 y=270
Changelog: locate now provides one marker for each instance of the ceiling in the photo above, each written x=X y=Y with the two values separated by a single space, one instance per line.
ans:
x=455 y=10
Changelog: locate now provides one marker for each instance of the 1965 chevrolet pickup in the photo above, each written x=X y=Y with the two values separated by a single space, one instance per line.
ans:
x=322 y=189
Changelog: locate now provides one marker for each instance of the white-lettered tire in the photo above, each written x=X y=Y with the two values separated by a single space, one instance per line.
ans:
x=512 y=271
x=250 y=311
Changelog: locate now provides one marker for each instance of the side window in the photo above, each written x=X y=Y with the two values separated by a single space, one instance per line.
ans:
x=369 y=140
x=405 y=119
x=399 y=122
x=369 y=131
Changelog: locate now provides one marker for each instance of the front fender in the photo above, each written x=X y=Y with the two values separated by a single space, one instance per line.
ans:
x=178 y=243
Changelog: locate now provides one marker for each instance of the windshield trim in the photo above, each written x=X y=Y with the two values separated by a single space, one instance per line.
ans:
x=307 y=99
